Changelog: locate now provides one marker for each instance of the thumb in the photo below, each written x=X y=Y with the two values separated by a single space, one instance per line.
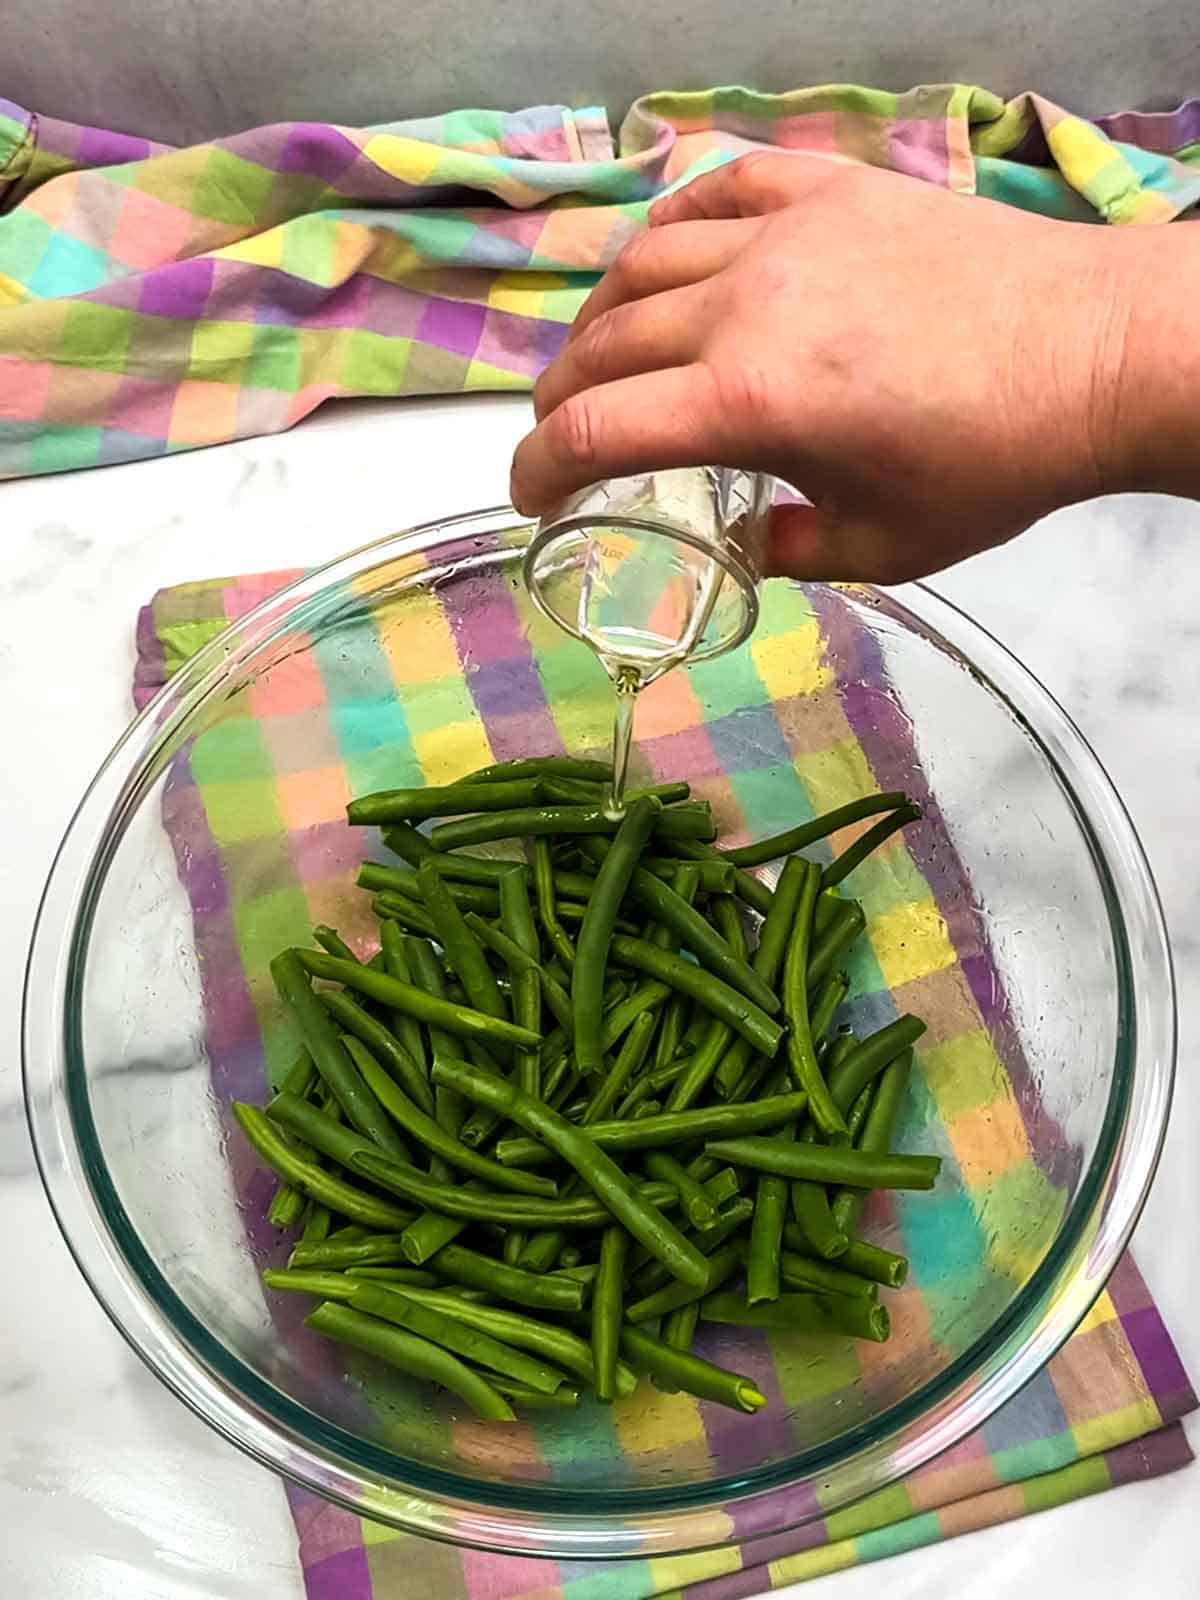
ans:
x=806 y=542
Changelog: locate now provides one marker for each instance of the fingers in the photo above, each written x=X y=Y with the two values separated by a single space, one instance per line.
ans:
x=748 y=187
x=643 y=336
x=640 y=424
x=666 y=258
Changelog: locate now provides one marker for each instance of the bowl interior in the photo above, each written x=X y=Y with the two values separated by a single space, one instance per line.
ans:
x=990 y=919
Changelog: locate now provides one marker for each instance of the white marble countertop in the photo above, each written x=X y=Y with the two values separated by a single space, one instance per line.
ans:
x=109 y=1489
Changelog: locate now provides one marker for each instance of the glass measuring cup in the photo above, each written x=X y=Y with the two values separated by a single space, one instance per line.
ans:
x=656 y=569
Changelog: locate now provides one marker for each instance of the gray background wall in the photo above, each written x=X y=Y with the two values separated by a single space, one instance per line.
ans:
x=186 y=69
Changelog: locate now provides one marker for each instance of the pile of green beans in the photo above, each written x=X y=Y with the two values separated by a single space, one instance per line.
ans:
x=586 y=1098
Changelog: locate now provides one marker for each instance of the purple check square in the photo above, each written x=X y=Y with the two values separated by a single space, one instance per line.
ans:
x=507 y=688
x=179 y=290
x=454 y=325
x=100 y=148
x=318 y=151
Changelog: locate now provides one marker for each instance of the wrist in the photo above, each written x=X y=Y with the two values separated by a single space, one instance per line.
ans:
x=1141 y=413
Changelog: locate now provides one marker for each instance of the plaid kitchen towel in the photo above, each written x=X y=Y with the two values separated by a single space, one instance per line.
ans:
x=466 y=673
x=154 y=300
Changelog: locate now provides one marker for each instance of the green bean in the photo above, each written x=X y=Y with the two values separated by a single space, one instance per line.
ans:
x=462 y=949
x=698 y=1208
x=679 y=1327
x=448 y=1108
x=456 y=1019
x=376 y=1250
x=325 y=1285
x=712 y=1050
x=408 y=1031
x=689 y=1372
x=449 y=800
x=516 y=916
x=800 y=1271
x=787 y=843
x=607 y=1297
x=802 y=1313
x=711 y=993
x=543 y=889
x=830 y=942
x=651 y=1274
x=766 y=1236
x=397 y=880
x=598 y=1171
x=712 y=877
x=868 y=1059
x=578 y=792
x=484 y=872
x=558 y=1345
x=544 y=767
x=326 y=1189
x=318 y=1220
x=620 y=1017
x=747 y=888
x=555 y=996
x=801 y=1053
x=411 y=1279
x=768 y=963
x=332 y=942
x=435 y=1138
x=403 y=840
x=328 y=1054
x=810 y=1201
x=566 y=1395
x=698 y=935
x=722 y=1264
x=670 y=1128
x=451 y=1333
x=510 y=1210
x=828 y=1163
x=824 y=1008
x=353 y=1019
x=535 y=821
x=876 y=1138
x=422 y=1239
x=862 y=847
x=629 y=1062
x=416 y=1356
x=596 y=932
x=548 y=1291
x=721 y=1187
x=410 y=914
x=288 y=1204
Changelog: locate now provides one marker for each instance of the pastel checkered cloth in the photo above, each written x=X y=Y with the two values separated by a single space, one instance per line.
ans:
x=154 y=300
x=802 y=716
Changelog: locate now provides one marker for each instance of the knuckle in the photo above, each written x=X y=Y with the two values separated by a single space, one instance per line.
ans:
x=572 y=429
x=633 y=258
x=743 y=396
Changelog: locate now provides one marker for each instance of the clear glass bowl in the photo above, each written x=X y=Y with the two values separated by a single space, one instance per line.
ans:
x=145 y=1006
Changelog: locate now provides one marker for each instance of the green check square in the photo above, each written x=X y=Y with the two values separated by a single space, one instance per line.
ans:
x=58 y=448
x=247 y=809
x=274 y=360
x=232 y=752
x=96 y=336
x=231 y=189
x=374 y=363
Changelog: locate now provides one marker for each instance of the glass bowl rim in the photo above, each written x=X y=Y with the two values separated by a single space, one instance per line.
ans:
x=575 y=1523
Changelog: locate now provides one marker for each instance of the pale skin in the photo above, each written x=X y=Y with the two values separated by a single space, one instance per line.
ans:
x=935 y=372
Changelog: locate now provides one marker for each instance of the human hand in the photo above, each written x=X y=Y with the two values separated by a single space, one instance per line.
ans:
x=933 y=371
